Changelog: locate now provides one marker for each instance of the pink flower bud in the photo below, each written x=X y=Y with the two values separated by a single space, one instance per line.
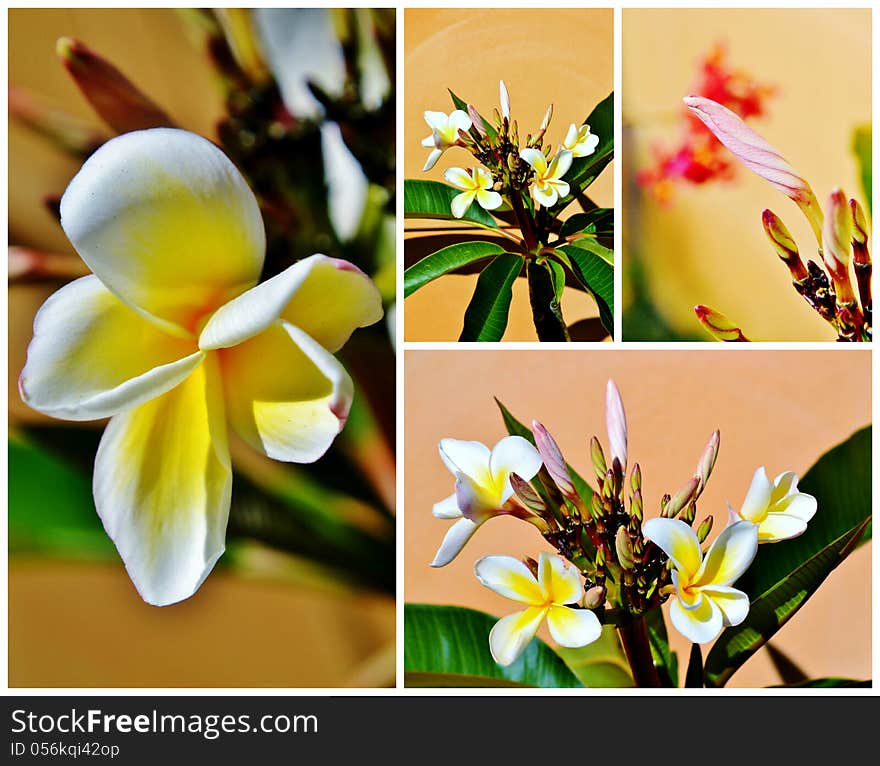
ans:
x=718 y=325
x=615 y=424
x=837 y=236
x=554 y=462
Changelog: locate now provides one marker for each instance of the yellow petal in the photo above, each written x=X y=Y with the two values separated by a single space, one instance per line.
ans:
x=573 y=627
x=559 y=580
x=162 y=487
x=91 y=356
x=285 y=394
x=678 y=541
x=510 y=578
x=512 y=634
x=729 y=556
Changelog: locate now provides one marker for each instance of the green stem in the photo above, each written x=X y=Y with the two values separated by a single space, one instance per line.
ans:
x=546 y=312
x=634 y=637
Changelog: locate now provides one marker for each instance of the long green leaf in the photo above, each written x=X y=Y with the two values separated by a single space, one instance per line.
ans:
x=826 y=683
x=665 y=660
x=446 y=260
x=588 y=261
x=515 y=428
x=461 y=104
x=599 y=222
x=430 y=199
x=585 y=170
x=486 y=316
x=784 y=575
x=449 y=646
x=601 y=664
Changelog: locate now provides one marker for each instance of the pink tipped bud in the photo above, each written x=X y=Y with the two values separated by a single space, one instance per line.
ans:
x=707 y=459
x=682 y=497
x=526 y=494
x=757 y=155
x=860 y=223
x=476 y=121
x=784 y=245
x=548 y=115
x=594 y=597
x=615 y=424
x=718 y=325
x=553 y=460
x=112 y=95
x=837 y=236
x=505 y=100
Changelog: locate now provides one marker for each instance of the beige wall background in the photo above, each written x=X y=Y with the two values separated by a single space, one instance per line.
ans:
x=709 y=246
x=563 y=56
x=773 y=409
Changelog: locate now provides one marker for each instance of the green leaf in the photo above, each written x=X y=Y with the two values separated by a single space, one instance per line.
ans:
x=590 y=264
x=601 y=664
x=515 y=428
x=430 y=199
x=460 y=104
x=486 y=316
x=443 y=261
x=665 y=660
x=599 y=222
x=449 y=646
x=557 y=277
x=784 y=575
x=51 y=509
x=862 y=150
x=585 y=170
x=826 y=683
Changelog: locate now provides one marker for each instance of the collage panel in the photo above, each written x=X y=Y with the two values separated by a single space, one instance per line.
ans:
x=669 y=518
x=747 y=174
x=508 y=191
x=202 y=250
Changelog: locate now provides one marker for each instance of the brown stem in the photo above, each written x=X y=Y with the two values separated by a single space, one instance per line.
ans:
x=524 y=221
x=634 y=637
x=546 y=313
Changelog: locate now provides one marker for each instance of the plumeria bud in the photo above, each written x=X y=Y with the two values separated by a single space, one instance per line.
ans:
x=597 y=508
x=600 y=556
x=719 y=326
x=707 y=459
x=504 y=99
x=112 y=95
x=635 y=478
x=545 y=123
x=615 y=423
x=860 y=223
x=636 y=507
x=527 y=495
x=758 y=156
x=594 y=597
x=861 y=256
x=784 y=245
x=682 y=496
x=553 y=460
x=837 y=236
x=664 y=505
x=598 y=458
x=689 y=513
x=623 y=548
x=704 y=529
x=476 y=121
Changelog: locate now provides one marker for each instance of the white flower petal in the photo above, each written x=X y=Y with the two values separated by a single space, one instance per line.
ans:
x=462 y=202
x=489 y=200
x=571 y=137
x=780 y=526
x=92 y=356
x=511 y=578
x=447 y=508
x=560 y=581
x=460 y=120
x=729 y=556
x=733 y=603
x=573 y=627
x=437 y=120
x=432 y=159
x=468 y=457
x=512 y=634
x=459 y=177
x=699 y=625
x=561 y=188
x=757 y=500
x=513 y=454
x=346 y=183
x=286 y=395
x=536 y=159
x=482 y=178
x=799 y=505
x=783 y=485
x=429 y=142
x=560 y=164
x=455 y=539
x=162 y=487
x=326 y=297
x=677 y=540
x=545 y=195
x=166 y=222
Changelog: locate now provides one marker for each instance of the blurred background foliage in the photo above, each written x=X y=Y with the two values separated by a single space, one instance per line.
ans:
x=303 y=102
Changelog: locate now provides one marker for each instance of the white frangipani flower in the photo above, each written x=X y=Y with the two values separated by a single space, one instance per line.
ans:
x=579 y=141
x=557 y=585
x=547 y=184
x=174 y=340
x=778 y=510
x=482 y=486
x=444 y=133
x=704 y=601
x=477 y=184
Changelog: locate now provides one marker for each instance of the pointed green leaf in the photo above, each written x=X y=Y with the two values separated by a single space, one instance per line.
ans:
x=449 y=646
x=557 y=276
x=599 y=222
x=589 y=263
x=446 y=260
x=486 y=316
x=601 y=664
x=430 y=199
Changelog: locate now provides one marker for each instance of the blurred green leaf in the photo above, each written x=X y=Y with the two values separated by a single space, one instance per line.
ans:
x=599 y=665
x=585 y=170
x=486 y=316
x=589 y=262
x=443 y=261
x=430 y=199
x=862 y=139
x=449 y=646
x=784 y=575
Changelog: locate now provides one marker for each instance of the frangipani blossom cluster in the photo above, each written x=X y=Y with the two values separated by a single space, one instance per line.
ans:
x=606 y=558
x=174 y=339
x=508 y=171
x=841 y=291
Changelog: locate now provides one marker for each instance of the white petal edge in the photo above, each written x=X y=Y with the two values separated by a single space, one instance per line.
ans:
x=700 y=626
x=455 y=539
x=729 y=556
x=447 y=509
x=677 y=540
x=511 y=578
x=573 y=628
x=512 y=634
